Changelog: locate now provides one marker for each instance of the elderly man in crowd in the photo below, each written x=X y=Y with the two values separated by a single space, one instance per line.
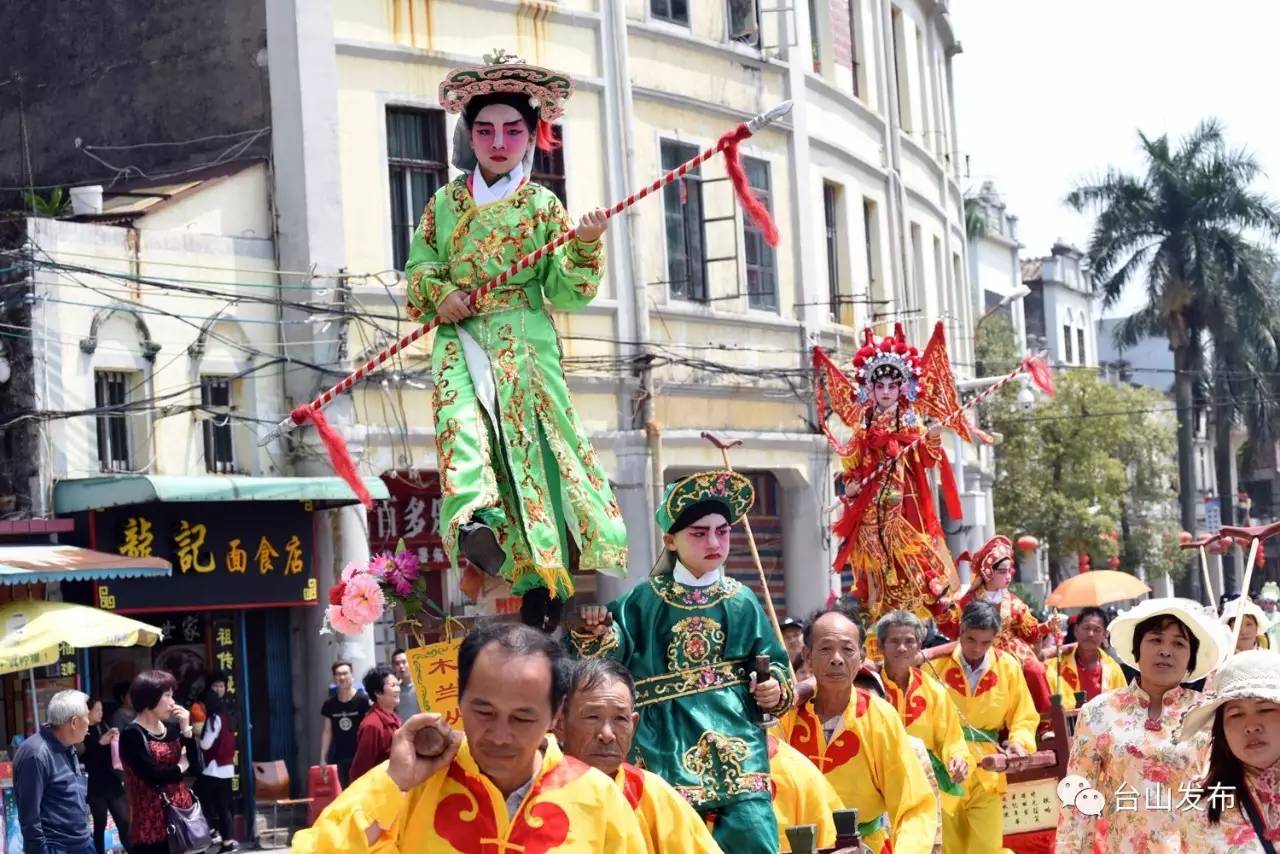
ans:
x=503 y=786
x=53 y=805
x=859 y=743
x=597 y=727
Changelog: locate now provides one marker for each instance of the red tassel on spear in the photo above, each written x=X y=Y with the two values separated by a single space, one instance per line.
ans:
x=311 y=413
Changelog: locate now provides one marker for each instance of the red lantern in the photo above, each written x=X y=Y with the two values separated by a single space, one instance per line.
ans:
x=1114 y=563
x=1028 y=543
x=1185 y=537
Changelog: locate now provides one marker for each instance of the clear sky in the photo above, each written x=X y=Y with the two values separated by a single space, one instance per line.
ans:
x=1050 y=92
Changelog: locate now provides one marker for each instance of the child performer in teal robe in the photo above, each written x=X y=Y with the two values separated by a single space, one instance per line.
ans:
x=690 y=636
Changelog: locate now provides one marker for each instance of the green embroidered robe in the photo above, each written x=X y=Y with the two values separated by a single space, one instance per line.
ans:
x=691 y=651
x=525 y=468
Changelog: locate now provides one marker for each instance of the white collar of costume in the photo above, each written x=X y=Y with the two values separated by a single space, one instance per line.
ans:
x=503 y=185
x=688 y=579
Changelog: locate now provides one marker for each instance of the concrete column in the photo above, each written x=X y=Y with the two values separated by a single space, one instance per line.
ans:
x=341 y=537
x=806 y=552
x=637 y=511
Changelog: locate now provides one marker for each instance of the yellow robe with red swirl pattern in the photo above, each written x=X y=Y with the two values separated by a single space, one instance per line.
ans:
x=669 y=824
x=872 y=767
x=801 y=795
x=571 y=808
x=929 y=715
x=1112 y=677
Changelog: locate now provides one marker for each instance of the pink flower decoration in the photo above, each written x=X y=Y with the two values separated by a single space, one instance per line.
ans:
x=363 y=601
x=378 y=565
x=408 y=564
x=339 y=622
x=349 y=571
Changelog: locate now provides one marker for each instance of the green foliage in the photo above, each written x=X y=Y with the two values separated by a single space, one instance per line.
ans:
x=57 y=204
x=1093 y=459
x=997 y=347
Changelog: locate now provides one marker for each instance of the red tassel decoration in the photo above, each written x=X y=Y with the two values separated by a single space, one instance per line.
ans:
x=545 y=138
x=758 y=213
x=1038 y=368
x=339 y=456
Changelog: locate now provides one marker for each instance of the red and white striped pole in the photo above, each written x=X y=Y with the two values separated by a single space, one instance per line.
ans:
x=311 y=412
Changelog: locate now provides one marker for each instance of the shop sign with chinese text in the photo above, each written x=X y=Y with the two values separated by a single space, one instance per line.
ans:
x=224 y=555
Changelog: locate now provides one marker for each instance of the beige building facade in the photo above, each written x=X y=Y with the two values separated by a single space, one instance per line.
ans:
x=699 y=324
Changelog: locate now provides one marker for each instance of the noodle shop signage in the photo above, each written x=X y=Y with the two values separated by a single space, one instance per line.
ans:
x=250 y=554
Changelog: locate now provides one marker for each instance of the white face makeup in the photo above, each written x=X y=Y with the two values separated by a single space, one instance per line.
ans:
x=500 y=138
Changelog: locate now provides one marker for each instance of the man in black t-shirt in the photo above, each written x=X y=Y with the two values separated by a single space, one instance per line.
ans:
x=342 y=714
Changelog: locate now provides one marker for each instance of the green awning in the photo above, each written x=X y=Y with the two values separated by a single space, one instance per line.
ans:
x=97 y=493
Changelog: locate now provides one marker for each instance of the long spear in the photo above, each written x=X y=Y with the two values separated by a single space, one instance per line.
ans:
x=312 y=412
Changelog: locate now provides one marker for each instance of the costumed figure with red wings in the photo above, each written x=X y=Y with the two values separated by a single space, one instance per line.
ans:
x=889 y=531
x=1021 y=634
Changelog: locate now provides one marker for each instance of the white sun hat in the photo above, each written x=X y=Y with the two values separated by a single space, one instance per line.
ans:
x=1235 y=606
x=1207 y=631
x=1250 y=675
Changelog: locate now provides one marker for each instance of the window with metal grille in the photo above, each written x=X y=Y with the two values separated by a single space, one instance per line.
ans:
x=675 y=11
x=219 y=450
x=548 y=166
x=110 y=392
x=744 y=21
x=418 y=161
x=1066 y=344
x=1080 y=356
x=685 y=230
x=829 y=196
x=762 y=262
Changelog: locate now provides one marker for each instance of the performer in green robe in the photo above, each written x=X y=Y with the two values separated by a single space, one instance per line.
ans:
x=522 y=489
x=690 y=636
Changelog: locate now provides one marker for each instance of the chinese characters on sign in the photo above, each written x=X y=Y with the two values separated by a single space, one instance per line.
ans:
x=223 y=555
x=225 y=659
x=434 y=669
x=412 y=513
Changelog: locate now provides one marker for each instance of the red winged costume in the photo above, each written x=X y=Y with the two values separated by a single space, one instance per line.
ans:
x=890 y=535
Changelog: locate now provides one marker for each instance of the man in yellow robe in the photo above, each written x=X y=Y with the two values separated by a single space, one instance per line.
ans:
x=801 y=795
x=991 y=695
x=859 y=743
x=926 y=710
x=597 y=727
x=1086 y=667
x=505 y=787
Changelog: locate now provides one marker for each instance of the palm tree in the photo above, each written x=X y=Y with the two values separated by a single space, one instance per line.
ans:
x=1245 y=354
x=1184 y=230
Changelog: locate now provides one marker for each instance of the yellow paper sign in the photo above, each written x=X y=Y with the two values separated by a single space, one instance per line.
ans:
x=434 y=668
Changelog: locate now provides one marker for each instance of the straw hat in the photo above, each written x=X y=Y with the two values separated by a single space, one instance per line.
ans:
x=1191 y=614
x=1250 y=675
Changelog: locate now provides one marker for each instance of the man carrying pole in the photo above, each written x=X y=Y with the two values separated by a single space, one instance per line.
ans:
x=708 y=664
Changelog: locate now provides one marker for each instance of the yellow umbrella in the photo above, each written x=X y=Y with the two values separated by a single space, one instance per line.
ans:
x=1096 y=587
x=32 y=631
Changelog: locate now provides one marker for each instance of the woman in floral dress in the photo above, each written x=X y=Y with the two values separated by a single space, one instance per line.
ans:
x=1244 y=759
x=1124 y=741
